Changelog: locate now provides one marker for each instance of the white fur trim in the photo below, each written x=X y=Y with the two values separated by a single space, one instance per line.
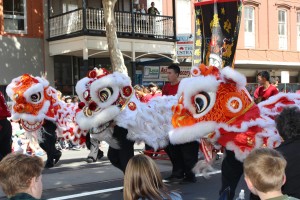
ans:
x=191 y=133
x=115 y=81
x=99 y=118
x=274 y=111
x=32 y=90
x=43 y=81
x=81 y=87
x=240 y=155
x=231 y=74
x=9 y=88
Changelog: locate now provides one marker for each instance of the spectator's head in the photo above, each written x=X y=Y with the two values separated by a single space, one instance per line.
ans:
x=59 y=94
x=288 y=123
x=152 y=4
x=138 y=88
x=74 y=99
x=20 y=173
x=143 y=180
x=146 y=90
x=153 y=87
x=68 y=99
x=173 y=73
x=274 y=80
x=263 y=77
x=264 y=170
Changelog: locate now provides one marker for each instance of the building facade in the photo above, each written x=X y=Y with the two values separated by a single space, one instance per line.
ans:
x=77 y=40
x=21 y=39
x=66 y=38
x=269 y=39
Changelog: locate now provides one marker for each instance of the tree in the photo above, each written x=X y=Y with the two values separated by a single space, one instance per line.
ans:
x=116 y=56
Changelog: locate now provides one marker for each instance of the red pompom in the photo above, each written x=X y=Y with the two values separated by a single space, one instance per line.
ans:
x=92 y=106
x=92 y=74
x=127 y=91
x=81 y=105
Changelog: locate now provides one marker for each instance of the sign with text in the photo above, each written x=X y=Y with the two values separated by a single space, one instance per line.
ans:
x=184 y=45
x=151 y=72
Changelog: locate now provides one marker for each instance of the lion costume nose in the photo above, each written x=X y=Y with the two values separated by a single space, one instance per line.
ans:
x=93 y=106
x=22 y=108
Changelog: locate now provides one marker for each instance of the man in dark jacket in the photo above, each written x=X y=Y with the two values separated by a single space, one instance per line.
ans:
x=5 y=129
x=288 y=126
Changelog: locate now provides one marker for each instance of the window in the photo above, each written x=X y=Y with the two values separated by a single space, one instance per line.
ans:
x=282 y=29
x=298 y=30
x=183 y=25
x=15 y=16
x=249 y=27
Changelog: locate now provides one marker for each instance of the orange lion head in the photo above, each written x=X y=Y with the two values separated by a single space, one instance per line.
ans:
x=210 y=97
x=33 y=101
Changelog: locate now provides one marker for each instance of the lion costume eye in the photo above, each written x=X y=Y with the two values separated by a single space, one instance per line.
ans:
x=36 y=97
x=104 y=94
x=202 y=101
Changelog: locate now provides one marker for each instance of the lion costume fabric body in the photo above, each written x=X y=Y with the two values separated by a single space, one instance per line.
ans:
x=35 y=101
x=219 y=108
x=110 y=98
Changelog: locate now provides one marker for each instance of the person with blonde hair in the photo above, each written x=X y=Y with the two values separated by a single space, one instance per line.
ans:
x=264 y=170
x=143 y=181
x=21 y=176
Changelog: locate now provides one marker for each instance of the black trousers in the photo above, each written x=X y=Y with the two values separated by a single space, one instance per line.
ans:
x=49 y=140
x=93 y=145
x=183 y=158
x=5 y=138
x=120 y=157
x=232 y=170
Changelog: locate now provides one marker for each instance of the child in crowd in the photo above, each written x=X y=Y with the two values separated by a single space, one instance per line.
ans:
x=21 y=176
x=264 y=170
x=143 y=180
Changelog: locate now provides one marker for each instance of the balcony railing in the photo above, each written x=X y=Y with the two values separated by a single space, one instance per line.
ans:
x=128 y=24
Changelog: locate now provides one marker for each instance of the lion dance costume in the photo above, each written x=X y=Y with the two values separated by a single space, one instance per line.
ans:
x=218 y=108
x=40 y=111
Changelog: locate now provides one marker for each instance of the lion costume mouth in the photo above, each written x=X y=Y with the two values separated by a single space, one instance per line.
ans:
x=30 y=127
x=102 y=127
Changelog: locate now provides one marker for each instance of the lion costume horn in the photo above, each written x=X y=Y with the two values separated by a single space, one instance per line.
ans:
x=216 y=32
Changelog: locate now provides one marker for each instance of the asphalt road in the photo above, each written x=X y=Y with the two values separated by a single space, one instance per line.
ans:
x=73 y=178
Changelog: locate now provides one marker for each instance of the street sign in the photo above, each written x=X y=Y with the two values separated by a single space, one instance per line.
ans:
x=151 y=72
x=184 y=45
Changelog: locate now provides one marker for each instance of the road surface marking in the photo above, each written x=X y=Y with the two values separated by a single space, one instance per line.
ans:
x=110 y=190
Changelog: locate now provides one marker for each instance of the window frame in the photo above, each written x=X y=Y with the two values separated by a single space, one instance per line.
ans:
x=285 y=26
x=246 y=19
x=8 y=16
x=298 y=29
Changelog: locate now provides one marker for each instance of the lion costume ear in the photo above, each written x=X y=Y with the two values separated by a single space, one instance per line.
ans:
x=204 y=70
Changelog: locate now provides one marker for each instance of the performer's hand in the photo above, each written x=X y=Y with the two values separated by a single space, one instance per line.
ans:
x=113 y=124
x=258 y=100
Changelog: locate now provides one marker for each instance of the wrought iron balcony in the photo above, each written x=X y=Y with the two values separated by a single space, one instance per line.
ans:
x=90 y=21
